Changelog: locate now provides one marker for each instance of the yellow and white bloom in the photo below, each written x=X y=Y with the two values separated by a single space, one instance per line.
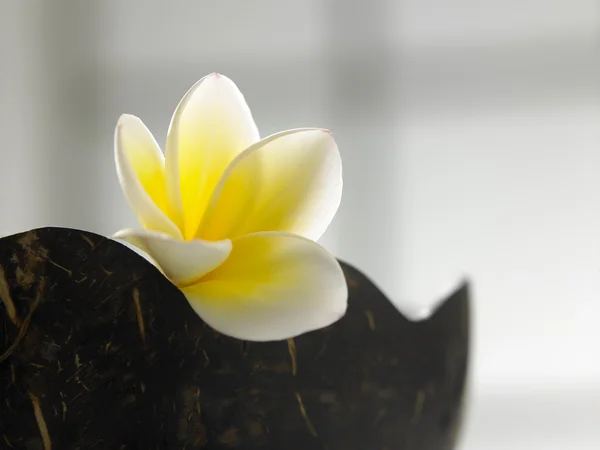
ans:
x=232 y=219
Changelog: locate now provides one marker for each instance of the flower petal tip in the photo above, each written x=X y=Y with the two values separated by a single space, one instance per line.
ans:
x=127 y=118
x=183 y=262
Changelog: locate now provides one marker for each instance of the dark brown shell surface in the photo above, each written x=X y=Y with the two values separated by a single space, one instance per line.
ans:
x=99 y=351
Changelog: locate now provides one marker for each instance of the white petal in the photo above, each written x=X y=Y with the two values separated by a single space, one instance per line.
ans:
x=181 y=261
x=210 y=127
x=140 y=169
x=273 y=286
x=289 y=182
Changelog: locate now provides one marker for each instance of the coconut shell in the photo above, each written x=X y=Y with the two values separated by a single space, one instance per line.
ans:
x=98 y=350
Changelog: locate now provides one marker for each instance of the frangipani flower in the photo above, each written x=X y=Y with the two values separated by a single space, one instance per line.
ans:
x=231 y=219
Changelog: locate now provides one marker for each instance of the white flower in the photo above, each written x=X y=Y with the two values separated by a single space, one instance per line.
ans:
x=231 y=219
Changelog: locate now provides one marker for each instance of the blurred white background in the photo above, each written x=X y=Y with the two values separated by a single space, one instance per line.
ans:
x=469 y=131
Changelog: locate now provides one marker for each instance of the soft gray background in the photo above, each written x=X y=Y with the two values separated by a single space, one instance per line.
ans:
x=469 y=131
